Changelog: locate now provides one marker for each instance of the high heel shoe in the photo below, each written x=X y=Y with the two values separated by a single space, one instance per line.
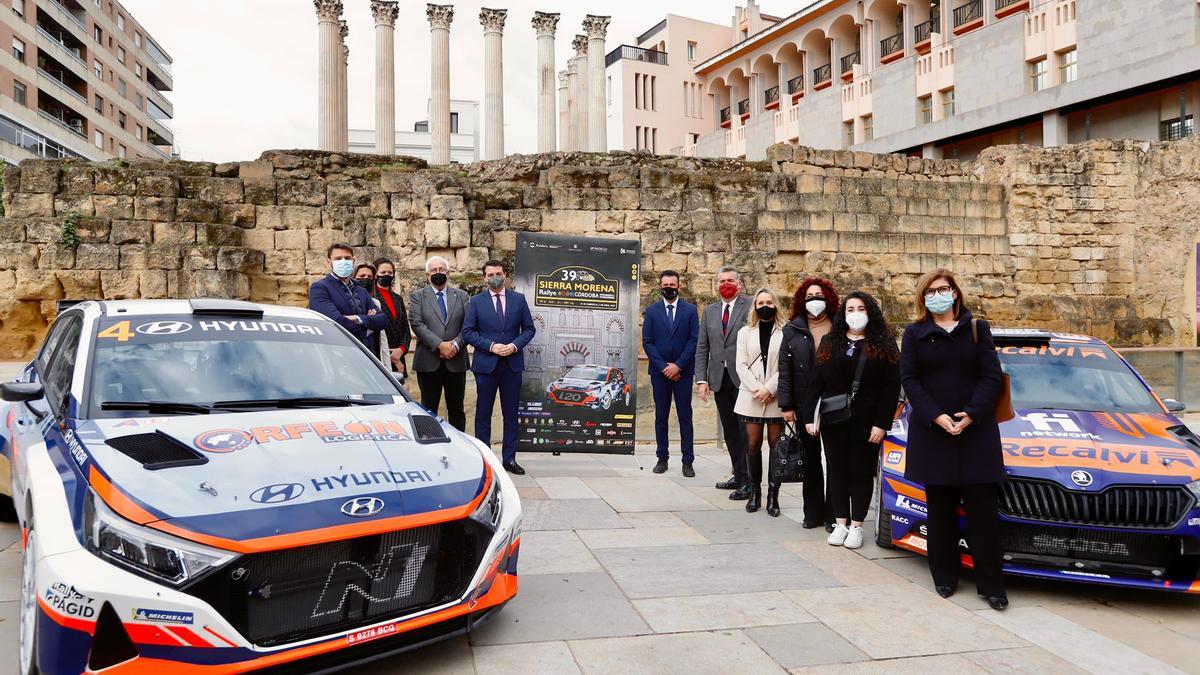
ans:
x=773 y=500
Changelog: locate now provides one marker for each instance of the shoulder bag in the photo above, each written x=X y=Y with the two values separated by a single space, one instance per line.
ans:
x=1004 y=406
x=787 y=457
x=838 y=409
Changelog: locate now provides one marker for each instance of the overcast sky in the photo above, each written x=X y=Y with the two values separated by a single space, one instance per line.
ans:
x=245 y=70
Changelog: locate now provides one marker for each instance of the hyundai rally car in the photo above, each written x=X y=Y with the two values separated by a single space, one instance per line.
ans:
x=1103 y=480
x=595 y=387
x=215 y=487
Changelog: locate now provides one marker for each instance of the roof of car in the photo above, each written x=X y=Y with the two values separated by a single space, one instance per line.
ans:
x=198 y=305
x=1040 y=335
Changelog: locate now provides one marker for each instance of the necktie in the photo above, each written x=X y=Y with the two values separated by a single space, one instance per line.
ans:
x=499 y=307
x=725 y=321
x=671 y=314
x=442 y=304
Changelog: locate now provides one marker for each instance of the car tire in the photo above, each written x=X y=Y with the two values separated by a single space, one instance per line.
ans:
x=8 y=510
x=883 y=533
x=28 y=610
x=607 y=401
x=628 y=396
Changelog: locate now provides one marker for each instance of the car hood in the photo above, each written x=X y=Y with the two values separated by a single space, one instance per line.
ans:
x=574 y=383
x=280 y=471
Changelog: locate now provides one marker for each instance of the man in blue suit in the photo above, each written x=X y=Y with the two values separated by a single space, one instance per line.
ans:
x=337 y=296
x=498 y=324
x=670 y=329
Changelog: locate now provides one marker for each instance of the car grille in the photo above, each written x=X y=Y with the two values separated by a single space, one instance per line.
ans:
x=570 y=395
x=1118 y=506
x=283 y=596
x=1076 y=543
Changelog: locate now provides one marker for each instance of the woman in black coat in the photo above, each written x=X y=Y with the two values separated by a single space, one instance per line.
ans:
x=399 y=335
x=859 y=333
x=952 y=378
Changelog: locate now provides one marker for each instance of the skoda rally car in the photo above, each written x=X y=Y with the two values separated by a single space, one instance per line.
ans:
x=1103 y=480
x=216 y=486
x=595 y=387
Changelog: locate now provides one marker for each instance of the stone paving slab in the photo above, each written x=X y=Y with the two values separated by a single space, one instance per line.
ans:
x=646 y=494
x=636 y=537
x=563 y=607
x=569 y=514
x=945 y=664
x=714 y=612
x=843 y=564
x=1022 y=660
x=807 y=644
x=556 y=552
x=732 y=527
x=452 y=657
x=714 y=653
x=538 y=658
x=653 y=519
x=565 y=487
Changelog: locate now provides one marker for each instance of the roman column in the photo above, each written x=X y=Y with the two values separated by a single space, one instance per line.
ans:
x=579 y=108
x=596 y=27
x=385 y=13
x=343 y=123
x=573 y=105
x=493 y=81
x=328 y=55
x=439 y=17
x=564 y=112
x=545 y=23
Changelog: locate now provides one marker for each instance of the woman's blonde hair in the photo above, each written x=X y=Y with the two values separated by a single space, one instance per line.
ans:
x=753 y=319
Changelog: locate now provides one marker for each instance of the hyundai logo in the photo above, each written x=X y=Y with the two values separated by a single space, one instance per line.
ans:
x=277 y=494
x=361 y=507
x=164 y=328
x=1081 y=478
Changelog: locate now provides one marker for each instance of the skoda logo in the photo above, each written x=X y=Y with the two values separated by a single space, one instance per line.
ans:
x=362 y=507
x=1081 y=478
x=277 y=494
x=164 y=328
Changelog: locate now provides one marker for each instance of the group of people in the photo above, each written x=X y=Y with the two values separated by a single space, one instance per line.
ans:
x=830 y=375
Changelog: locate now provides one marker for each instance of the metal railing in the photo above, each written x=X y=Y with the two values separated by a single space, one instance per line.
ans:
x=1001 y=4
x=969 y=12
x=70 y=14
x=771 y=95
x=631 y=53
x=796 y=84
x=62 y=123
x=849 y=60
x=891 y=45
x=62 y=83
x=744 y=106
x=724 y=114
x=921 y=31
x=822 y=73
x=66 y=48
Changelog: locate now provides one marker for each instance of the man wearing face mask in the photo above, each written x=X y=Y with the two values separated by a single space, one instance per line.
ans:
x=337 y=296
x=670 y=331
x=498 y=325
x=437 y=312
x=716 y=354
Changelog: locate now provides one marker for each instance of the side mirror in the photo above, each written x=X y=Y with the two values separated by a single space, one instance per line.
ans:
x=21 y=392
x=1174 y=406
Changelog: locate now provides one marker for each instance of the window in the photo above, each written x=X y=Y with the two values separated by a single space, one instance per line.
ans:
x=121 y=22
x=61 y=367
x=99 y=139
x=138 y=98
x=121 y=151
x=18 y=50
x=609 y=85
x=98 y=34
x=849 y=129
x=868 y=127
x=121 y=87
x=19 y=7
x=137 y=39
x=121 y=119
x=19 y=93
x=138 y=132
x=693 y=138
x=137 y=70
x=1067 y=66
x=121 y=54
x=1173 y=130
x=1037 y=75
x=948 y=103
x=454 y=123
x=691 y=51
x=99 y=104
x=926 y=105
x=98 y=69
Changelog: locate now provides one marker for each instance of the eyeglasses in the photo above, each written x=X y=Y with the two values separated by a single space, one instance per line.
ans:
x=940 y=290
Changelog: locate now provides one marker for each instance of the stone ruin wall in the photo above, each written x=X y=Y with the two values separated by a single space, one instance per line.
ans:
x=1095 y=238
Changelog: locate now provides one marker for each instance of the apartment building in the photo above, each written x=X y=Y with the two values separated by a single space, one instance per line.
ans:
x=464 y=136
x=945 y=78
x=81 y=79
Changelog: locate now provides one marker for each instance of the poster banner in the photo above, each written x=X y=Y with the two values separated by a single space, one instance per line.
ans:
x=579 y=392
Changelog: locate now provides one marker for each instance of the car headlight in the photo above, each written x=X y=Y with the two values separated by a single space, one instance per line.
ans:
x=152 y=554
x=1194 y=487
x=489 y=509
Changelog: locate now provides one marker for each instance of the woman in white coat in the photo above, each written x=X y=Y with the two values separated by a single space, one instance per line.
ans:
x=758 y=345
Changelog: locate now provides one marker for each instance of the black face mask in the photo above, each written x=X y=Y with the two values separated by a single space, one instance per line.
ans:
x=439 y=279
x=765 y=313
x=385 y=280
x=368 y=284
x=670 y=293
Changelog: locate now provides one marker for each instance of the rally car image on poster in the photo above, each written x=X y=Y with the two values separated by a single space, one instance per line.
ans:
x=214 y=486
x=595 y=387
x=1103 y=479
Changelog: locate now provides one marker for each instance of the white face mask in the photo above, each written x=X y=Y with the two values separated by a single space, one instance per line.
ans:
x=815 y=307
x=857 y=321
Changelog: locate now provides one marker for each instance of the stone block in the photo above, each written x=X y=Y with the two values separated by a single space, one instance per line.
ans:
x=257 y=170
x=569 y=222
x=447 y=207
x=536 y=197
x=380 y=208
x=239 y=259
x=152 y=284
x=79 y=284
x=11 y=231
x=238 y=215
x=196 y=211
x=437 y=233
x=460 y=233
x=663 y=178
x=287 y=217
x=396 y=181
x=163 y=256
x=578 y=177
x=200 y=258
x=318 y=240
x=347 y=193
x=96 y=257
x=661 y=199
x=291 y=239
x=220 y=235
x=625 y=199
x=624 y=176
x=75 y=180
x=174 y=233
x=161 y=209
x=81 y=204
x=694 y=200
x=471 y=258
x=216 y=190
x=92 y=230
x=579 y=198
x=262 y=240
x=264 y=289
x=113 y=206
x=56 y=257
x=157 y=185
x=213 y=284
x=259 y=191
x=120 y=285
x=300 y=192
x=283 y=262
x=36 y=285
x=31 y=205
x=400 y=206
x=112 y=181
x=40 y=175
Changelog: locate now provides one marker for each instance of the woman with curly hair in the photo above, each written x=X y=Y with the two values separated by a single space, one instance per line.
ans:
x=857 y=368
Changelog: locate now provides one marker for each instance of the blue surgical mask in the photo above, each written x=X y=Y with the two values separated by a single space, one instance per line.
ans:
x=343 y=268
x=939 y=303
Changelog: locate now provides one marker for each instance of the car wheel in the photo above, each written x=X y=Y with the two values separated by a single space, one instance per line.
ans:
x=8 y=511
x=883 y=533
x=607 y=402
x=627 y=397
x=27 y=650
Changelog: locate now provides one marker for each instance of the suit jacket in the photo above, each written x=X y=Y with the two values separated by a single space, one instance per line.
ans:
x=431 y=330
x=397 y=333
x=328 y=296
x=665 y=342
x=750 y=367
x=483 y=328
x=717 y=349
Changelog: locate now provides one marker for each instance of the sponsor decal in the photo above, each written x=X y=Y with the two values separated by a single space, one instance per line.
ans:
x=75 y=447
x=1081 y=478
x=259 y=326
x=1193 y=521
x=345 y=480
x=277 y=494
x=361 y=507
x=897 y=428
x=164 y=328
x=916 y=542
x=332 y=432
x=392 y=579
x=1077 y=573
x=894 y=457
x=222 y=440
x=909 y=505
x=1131 y=458
x=576 y=286
x=1071 y=351
x=1054 y=425
x=70 y=602
x=371 y=634
x=923 y=530
x=899 y=519
x=162 y=616
x=1081 y=546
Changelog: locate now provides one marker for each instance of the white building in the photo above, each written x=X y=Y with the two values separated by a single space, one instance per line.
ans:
x=464 y=136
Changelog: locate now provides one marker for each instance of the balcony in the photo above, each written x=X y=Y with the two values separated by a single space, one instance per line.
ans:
x=78 y=15
x=62 y=115
x=51 y=69
x=921 y=31
x=744 y=107
x=74 y=53
x=1001 y=4
x=849 y=61
x=796 y=85
x=771 y=95
x=891 y=45
x=822 y=74
x=630 y=53
x=724 y=116
x=968 y=13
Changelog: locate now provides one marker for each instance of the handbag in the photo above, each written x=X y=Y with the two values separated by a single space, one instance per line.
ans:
x=838 y=409
x=787 y=457
x=1004 y=407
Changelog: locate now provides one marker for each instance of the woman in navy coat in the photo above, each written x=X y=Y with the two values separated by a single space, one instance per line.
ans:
x=952 y=380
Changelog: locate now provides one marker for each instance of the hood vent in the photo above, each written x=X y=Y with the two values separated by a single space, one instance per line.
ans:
x=428 y=430
x=156 y=451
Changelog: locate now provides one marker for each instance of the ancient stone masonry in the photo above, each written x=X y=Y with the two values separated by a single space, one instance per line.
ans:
x=1094 y=238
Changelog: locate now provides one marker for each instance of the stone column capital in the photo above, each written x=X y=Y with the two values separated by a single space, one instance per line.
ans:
x=595 y=26
x=492 y=19
x=328 y=10
x=439 y=16
x=385 y=12
x=545 y=23
x=563 y=76
x=343 y=31
x=579 y=42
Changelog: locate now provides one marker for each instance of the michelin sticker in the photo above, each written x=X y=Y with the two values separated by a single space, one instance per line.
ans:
x=162 y=616
x=907 y=504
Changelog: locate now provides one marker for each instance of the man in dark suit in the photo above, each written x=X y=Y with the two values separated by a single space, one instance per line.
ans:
x=670 y=329
x=498 y=324
x=437 y=312
x=716 y=357
x=337 y=296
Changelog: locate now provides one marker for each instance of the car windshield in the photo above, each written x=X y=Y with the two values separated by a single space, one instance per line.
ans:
x=586 y=373
x=1073 y=376
x=203 y=360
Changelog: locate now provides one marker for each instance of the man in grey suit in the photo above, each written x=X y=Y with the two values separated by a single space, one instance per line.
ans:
x=436 y=313
x=716 y=366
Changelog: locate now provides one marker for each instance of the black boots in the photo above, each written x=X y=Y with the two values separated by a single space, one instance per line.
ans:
x=755 y=467
x=772 y=498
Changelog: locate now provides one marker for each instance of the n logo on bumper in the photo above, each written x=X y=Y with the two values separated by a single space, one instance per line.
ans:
x=374 y=583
